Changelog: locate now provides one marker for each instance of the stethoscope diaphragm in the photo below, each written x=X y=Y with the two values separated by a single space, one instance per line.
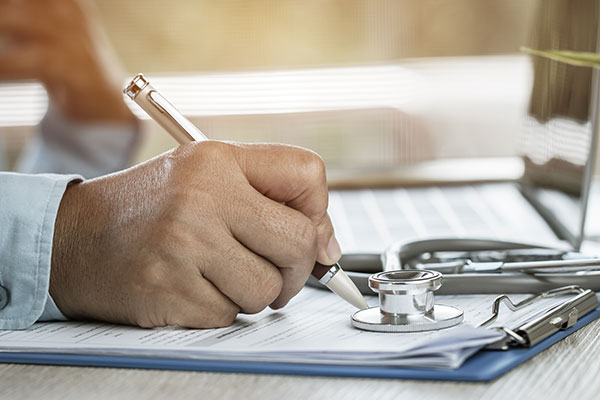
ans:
x=406 y=303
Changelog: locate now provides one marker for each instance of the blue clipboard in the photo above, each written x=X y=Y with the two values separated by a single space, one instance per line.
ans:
x=482 y=367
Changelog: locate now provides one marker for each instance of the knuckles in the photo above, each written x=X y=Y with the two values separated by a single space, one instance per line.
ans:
x=265 y=290
x=207 y=153
x=303 y=239
x=202 y=172
x=311 y=167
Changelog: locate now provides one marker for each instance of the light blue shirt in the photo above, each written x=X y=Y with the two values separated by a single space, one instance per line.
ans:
x=64 y=152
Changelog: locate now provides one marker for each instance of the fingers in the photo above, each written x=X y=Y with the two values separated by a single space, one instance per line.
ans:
x=286 y=174
x=256 y=230
x=249 y=280
x=282 y=235
x=297 y=178
x=174 y=293
x=197 y=303
x=328 y=248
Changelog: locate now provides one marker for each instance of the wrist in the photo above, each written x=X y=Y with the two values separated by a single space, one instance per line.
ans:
x=65 y=250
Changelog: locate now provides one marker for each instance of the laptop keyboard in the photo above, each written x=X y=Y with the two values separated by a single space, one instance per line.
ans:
x=369 y=220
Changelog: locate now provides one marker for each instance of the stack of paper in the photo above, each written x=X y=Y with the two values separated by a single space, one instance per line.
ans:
x=313 y=329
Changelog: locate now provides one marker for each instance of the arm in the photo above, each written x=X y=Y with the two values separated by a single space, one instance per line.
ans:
x=88 y=129
x=190 y=238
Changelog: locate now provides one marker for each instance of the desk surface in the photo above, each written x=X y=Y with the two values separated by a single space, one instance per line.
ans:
x=568 y=370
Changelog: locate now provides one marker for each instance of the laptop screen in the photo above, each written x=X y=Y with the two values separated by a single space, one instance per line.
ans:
x=558 y=139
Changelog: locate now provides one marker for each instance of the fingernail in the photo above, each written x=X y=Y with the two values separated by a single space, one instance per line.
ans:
x=333 y=250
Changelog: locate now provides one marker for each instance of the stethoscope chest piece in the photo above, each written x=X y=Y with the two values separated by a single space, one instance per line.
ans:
x=406 y=304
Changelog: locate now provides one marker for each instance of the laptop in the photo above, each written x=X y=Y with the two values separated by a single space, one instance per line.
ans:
x=547 y=204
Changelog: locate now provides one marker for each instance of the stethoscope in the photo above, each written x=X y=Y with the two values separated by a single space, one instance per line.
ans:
x=407 y=274
x=406 y=304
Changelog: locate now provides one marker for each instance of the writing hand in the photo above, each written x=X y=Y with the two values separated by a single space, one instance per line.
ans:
x=192 y=237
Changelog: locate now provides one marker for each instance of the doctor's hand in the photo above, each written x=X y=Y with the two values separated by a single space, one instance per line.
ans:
x=61 y=44
x=193 y=236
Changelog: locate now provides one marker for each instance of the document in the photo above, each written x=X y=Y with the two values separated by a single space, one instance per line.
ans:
x=314 y=328
x=370 y=220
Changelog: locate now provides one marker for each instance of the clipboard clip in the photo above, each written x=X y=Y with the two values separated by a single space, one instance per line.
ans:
x=559 y=317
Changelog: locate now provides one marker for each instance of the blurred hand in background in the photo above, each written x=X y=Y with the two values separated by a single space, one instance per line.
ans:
x=61 y=44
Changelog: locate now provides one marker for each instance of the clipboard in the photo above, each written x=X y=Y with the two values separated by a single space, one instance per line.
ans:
x=484 y=366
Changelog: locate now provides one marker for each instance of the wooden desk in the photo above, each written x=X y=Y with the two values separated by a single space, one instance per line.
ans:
x=568 y=370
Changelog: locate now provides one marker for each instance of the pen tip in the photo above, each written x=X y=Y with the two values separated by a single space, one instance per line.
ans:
x=342 y=285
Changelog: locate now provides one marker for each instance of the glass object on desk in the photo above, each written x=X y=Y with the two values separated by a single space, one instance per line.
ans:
x=557 y=143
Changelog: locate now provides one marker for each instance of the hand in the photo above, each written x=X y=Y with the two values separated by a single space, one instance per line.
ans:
x=192 y=237
x=60 y=44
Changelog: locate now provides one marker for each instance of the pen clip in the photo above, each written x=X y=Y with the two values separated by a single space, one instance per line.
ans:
x=171 y=113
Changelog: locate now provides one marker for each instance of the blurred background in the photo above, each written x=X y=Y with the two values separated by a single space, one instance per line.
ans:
x=230 y=35
x=365 y=83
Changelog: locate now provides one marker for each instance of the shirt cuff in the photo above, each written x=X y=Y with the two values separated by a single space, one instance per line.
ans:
x=65 y=146
x=29 y=208
x=51 y=311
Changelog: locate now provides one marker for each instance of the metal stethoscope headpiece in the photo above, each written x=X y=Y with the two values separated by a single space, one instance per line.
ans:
x=406 y=303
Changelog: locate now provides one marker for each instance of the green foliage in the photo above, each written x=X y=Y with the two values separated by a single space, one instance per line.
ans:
x=579 y=58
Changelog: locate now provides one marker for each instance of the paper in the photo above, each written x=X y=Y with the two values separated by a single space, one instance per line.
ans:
x=314 y=328
x=368 y=221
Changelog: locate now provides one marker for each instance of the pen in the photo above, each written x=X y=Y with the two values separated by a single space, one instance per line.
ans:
x=184 y=131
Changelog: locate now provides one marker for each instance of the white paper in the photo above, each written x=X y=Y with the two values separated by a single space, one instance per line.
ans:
x=368 y=221
x=314 y=328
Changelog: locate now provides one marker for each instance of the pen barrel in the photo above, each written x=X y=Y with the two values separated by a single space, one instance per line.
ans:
x=143 y=100
x=162 y=111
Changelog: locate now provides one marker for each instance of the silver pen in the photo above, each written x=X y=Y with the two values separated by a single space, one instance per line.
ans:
x=184 y=131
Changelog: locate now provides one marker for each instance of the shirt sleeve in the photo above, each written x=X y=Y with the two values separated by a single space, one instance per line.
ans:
x=27 y=216
x=64 y=146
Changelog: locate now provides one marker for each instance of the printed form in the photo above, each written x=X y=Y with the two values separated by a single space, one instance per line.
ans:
x=370 y=220
x=314 y=328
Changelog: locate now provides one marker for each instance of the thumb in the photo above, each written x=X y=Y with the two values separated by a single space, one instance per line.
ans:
x=295 y=177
